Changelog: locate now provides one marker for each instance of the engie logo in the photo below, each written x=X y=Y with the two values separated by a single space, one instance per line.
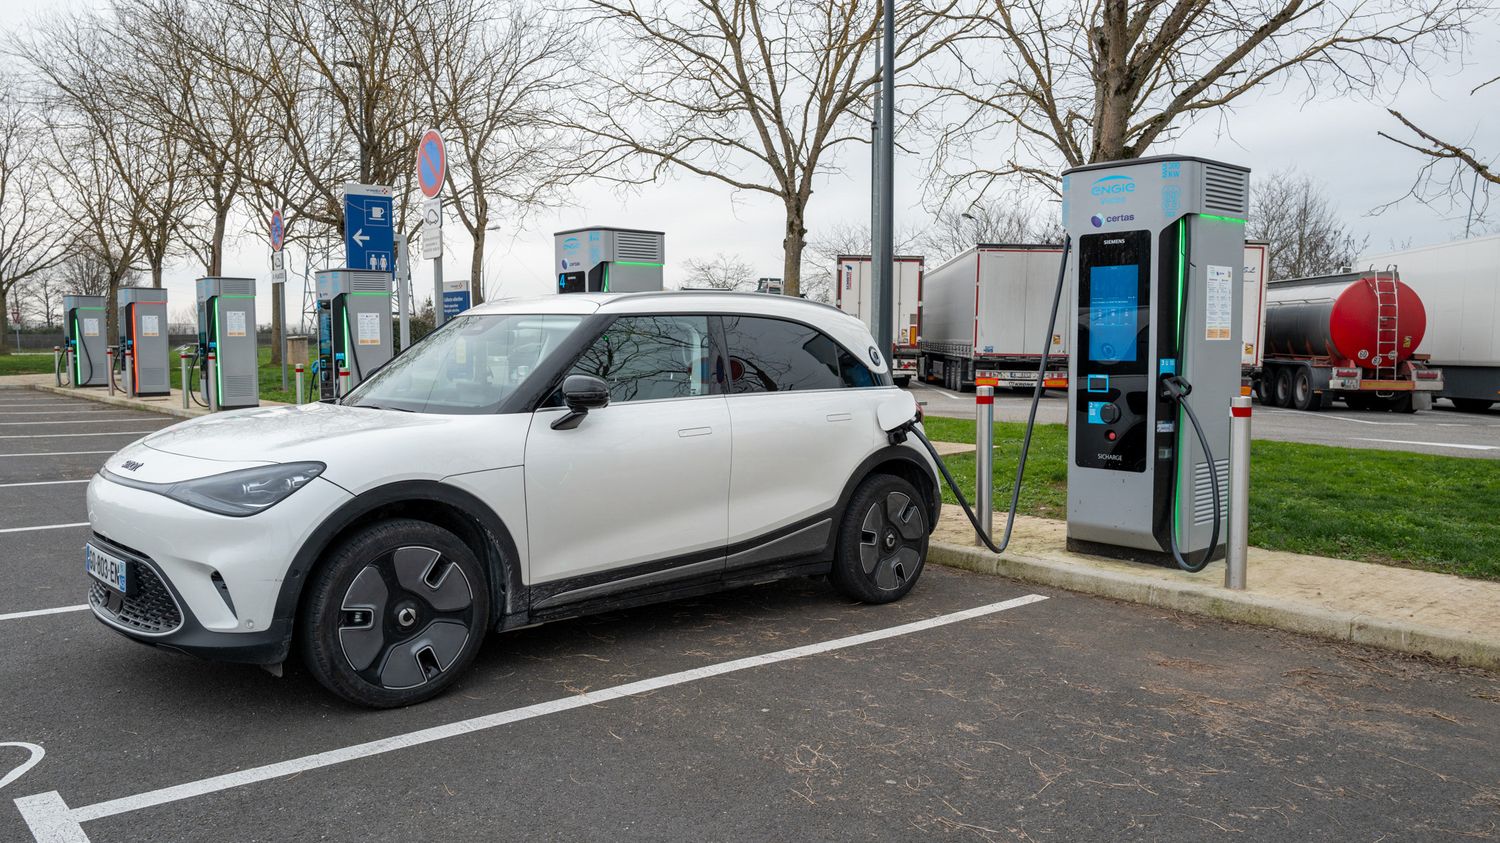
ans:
x=570 y=244
x=1113 y=186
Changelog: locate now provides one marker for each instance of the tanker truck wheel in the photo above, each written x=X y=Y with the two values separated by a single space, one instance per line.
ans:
x=1303 y=396
x=1283 y=388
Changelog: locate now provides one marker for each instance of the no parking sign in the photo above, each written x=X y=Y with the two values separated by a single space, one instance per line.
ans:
x=432 y=163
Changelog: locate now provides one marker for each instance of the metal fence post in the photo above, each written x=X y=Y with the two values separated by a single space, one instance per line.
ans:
x=109 y=362
x=213 y=394
x=299 y=383
x=182 y=364
x=984 y=454
x=1238 y=549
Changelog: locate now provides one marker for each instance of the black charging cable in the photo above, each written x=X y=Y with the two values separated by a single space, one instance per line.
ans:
x=898 y=435
x=1177 y=390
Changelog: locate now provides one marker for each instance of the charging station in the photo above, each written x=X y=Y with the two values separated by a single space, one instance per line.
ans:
x=143 y=333
x=226 y=327
x=1157 y=265
x=354 y=326
x=85 y=318
x=608 y=260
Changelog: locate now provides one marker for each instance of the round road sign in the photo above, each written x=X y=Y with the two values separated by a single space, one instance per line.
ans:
x=278 y=231
x=432 y=163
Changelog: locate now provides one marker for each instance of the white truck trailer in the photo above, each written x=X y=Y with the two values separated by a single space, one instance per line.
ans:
x=1459 y=283
x=1253 y=314
x=984 y=314
x=852 y=289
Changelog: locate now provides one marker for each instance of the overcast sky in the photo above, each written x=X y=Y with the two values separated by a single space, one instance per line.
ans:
x=1335 y=141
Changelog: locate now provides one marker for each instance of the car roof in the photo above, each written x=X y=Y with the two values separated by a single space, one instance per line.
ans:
x=844 y=327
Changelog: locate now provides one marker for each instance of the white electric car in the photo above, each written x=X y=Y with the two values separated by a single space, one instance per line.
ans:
x=531 y=460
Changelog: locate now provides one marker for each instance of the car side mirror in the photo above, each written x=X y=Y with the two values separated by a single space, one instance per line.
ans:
x=581 y=393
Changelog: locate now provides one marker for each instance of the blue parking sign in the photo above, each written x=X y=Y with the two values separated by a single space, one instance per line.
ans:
x=369 y=234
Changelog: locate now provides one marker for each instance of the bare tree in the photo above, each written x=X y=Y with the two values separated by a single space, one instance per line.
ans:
x=757 y=95
x=29 y=234
x=846 y=238
x=1006 y=220
x=491 y=84
x=1451 y=172
x=722 y=272
x=1292 y=212
x=1101 y=80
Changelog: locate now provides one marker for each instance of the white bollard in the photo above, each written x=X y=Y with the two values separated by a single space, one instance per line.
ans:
x=182 y=363
x=984 y=453
x=57 y=362
x=109 y=358
x=72 y=382
x=129 y=372
x=299 y=383
x=1238 y=547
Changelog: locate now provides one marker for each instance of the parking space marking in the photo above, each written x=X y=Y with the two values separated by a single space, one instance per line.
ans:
x=50 y=819
x=1433 y=444
x=44 y=527
x=78 y=410
x=58 y=453
x=37 y=613
x=65 y=421
x=42 y=483
x=71 y=435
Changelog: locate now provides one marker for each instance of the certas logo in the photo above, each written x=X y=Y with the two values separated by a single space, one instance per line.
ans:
x=1113 y=190
x=1099 y=221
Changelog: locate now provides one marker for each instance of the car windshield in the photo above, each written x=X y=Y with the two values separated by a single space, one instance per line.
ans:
x=469 y=365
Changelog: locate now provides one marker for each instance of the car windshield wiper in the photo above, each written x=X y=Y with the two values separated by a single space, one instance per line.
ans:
x=383 y=407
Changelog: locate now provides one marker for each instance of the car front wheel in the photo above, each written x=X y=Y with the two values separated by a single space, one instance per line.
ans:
x=395 y=615
x=882 y=542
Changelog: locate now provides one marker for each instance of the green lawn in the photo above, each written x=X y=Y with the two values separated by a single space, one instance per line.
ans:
x=270 y=379
x=1413 y=510
x=26 y=363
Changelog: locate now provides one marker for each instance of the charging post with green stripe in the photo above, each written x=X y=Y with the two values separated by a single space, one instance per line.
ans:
x=1158 y=272
x=354 y=327
x=227 y=327
x=608 y=260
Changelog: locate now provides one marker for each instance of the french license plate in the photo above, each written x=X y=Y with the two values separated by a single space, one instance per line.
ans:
x=106 y=568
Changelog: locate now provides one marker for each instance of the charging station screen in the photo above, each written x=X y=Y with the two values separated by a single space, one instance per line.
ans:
x=1113 y=308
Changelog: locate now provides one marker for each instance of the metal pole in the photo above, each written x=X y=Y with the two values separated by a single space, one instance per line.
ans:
x=884 y=286
x=403 y=290
x=437 y=292
x=1238 y=550
x=69 y=373
x=213 y=393
x=129 y=373
x=109 y=357
x=984 y=454
x=182 y=364
x=56 y=362
x=282 y=287
x=299 y=383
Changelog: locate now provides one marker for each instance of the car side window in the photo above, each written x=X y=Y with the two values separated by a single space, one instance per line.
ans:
x=647 y=358
x=773 y=355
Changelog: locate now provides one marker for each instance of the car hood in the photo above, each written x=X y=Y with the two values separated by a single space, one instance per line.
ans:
x=360 y=446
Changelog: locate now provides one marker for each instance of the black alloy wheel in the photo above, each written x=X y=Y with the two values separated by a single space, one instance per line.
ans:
x=882 y=543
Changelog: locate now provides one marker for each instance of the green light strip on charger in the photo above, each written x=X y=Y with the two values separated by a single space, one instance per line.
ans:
x=1181 y=368
x=1217 y=218
x=219 y=351
x=78 y=346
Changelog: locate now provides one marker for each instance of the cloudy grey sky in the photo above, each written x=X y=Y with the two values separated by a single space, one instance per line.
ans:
x=1335 y=141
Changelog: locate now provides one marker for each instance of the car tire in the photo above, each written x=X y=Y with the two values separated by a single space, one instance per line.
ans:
x=882 y=541
x=395 y=614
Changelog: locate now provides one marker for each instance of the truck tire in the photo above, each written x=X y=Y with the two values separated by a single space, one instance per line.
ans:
x=1471 y=405
x=1283 y=387
x=1303 y=396
x=904 y=381
x=1262 y=389
x=1358 y=401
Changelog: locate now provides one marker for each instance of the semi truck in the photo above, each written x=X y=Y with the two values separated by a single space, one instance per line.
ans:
x=1253 y=313
x=1460 y=284
x=1351 y=335
x=853 y=281
x=984 y=315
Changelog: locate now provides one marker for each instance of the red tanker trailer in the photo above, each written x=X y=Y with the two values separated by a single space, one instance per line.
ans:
x=1353 y=336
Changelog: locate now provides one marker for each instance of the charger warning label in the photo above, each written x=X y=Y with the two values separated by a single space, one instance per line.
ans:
x=1219 y=303
x=368 y=329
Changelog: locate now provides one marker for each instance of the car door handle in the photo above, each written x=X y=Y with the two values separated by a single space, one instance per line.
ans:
x=838 y=417
x=685 y=432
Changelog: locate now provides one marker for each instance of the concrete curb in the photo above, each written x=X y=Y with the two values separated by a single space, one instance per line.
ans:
x=1240 y=606
x=121 y=401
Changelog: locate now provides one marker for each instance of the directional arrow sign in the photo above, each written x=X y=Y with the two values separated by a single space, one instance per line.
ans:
x=369 y=241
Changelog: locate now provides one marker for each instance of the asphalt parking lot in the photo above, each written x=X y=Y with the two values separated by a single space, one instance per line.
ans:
x=975 y=709
x=1442 y=430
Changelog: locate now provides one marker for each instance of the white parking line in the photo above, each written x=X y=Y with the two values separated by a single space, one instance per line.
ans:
x=36 y=613
x=67 y=435
x=66 y=421
x=57 y=454
x=1433 y=444
x=44 y=527
x=51 y=820
x=85 y=411
x=42 y=483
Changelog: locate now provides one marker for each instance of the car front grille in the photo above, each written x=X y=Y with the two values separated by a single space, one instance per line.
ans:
x=149 y=608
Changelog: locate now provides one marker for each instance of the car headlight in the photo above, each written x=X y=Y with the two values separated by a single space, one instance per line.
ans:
x=235 y=493
x=247 y=491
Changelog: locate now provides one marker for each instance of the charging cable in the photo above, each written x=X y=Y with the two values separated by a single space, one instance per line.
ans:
x=1177 y=390
x=898 y=435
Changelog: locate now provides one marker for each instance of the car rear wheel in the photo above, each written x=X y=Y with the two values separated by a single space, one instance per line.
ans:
x=395 y=615
x=882 y=542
